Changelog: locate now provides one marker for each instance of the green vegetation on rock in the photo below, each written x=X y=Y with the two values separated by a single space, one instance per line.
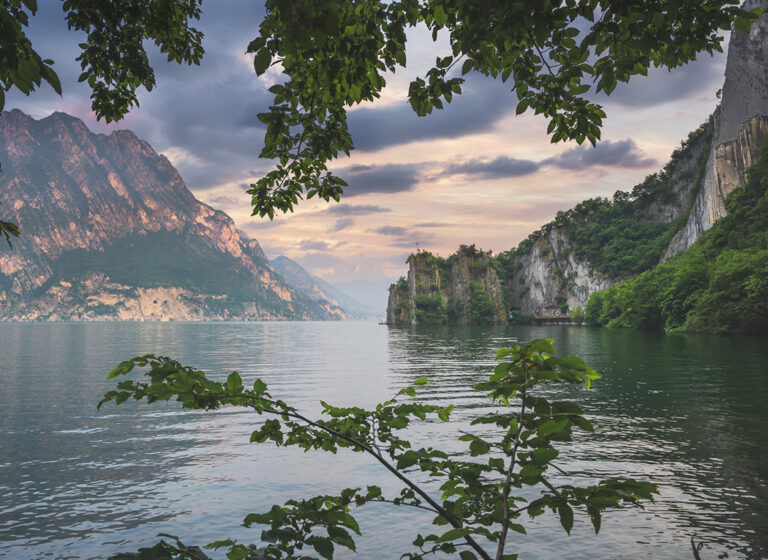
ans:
x=623 y=237
x=718 y=285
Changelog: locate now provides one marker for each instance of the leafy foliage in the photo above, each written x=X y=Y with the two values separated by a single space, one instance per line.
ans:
x=478 y=506
x=621 y=237
x=719 y=285
x=334 y=55
x=481 y=307
x=8 y=229
x=113 y=58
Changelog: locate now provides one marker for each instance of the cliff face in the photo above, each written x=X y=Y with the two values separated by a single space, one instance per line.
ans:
x=741 y=128
x=110 y=231
x=551 y=282
x=462 y=289
x=546 y=277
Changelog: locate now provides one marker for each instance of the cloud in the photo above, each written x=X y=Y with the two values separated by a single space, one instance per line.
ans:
x=391 y=230
x=314 y=245
x=623 y=153
x=355 y=210
x=403 y=237
x=499 y=168
x=342 y=223
x=389 y=178
x=414 y=240
x=376 y=128
x=431 y=225
x=704 y=75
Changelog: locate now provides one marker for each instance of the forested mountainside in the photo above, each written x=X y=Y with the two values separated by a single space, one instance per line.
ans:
x=600 y=242
x=109 y=231
x=550 y=275
x=720 y=284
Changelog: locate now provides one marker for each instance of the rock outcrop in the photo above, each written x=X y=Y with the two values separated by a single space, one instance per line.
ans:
x=549 y=275
x=551 y=281
x=741 y=128
x=462 y=289
x=109 y=231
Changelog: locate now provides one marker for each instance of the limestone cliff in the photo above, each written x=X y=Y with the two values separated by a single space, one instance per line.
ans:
x=601 y=241
x=462 y=289
x=109 y=231
x=741 y=128
x=550 y=275
x=550 y=281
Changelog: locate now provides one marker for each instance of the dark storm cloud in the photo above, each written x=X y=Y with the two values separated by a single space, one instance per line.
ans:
x=482 y=103
x=356 y=210
x=498 y=168
x=390 y=178
x=342 y=223
x=623 y=153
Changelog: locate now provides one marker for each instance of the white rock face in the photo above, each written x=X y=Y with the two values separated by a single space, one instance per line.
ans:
x=741 y=128
x=549 y=273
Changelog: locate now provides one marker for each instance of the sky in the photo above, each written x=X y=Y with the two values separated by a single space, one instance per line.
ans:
x=472 y=173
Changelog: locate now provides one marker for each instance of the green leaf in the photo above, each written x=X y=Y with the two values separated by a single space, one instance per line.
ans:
x=440 y=16
x=743 y=24
x=407 y=459
x=234 y=382
x=541 y=345
x=261 y=61
x=552 y=426
x=565 y=513
x=259 y=387
x=421 y=381
x=479 y=447
x=453 y=534
x=323 y=546
x=543 y=455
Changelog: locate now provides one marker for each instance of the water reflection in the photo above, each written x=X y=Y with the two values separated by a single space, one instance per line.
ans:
x=684 y=411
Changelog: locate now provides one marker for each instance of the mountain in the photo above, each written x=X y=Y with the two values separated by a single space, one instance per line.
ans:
x=718 y=285
x=318 y=289
x=109 y=231
x=551 y=275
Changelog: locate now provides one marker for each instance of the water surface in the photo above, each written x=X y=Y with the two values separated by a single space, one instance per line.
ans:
x=689 y=413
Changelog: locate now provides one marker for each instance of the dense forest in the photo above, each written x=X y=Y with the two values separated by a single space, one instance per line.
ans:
x=622 y=236
x=718 y=285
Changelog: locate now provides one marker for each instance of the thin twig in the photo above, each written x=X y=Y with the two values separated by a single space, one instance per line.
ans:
x=437 y=507
x=508 y=481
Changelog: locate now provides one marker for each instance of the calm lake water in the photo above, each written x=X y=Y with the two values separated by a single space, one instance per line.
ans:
x=689 y=413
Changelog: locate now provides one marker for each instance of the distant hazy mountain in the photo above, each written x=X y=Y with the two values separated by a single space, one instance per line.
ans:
x=371 y=292
x=109 y=231
x=318 y=289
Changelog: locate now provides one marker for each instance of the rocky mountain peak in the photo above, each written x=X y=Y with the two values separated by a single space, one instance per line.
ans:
x=106 y=214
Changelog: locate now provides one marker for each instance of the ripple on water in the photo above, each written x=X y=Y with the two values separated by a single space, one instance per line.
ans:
x=76 y=483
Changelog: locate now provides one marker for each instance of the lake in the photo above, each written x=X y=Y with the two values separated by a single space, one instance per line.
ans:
x=689 y=413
